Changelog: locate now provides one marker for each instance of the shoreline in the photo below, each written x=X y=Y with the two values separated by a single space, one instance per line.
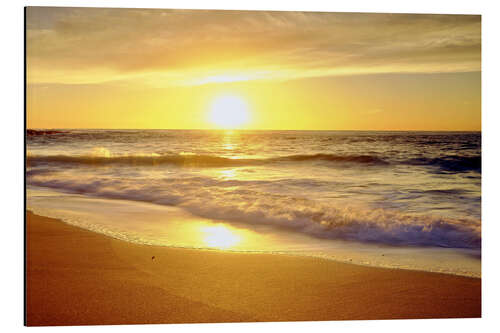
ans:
x=79 y=277
x=329 y=254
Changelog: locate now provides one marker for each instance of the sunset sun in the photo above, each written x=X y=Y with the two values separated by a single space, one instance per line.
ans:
x=229 y=111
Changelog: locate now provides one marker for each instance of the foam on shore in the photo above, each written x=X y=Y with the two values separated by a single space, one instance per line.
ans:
x=151 y=224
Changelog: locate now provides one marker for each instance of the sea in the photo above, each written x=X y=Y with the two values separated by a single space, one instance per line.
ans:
x=402 y=200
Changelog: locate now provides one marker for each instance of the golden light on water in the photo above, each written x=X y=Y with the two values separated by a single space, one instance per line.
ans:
x=229 y=111
x=220 y=237
x=100 y=152
x=227 y=174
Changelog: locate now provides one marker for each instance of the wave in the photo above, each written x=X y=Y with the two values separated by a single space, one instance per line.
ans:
x=246 y=204
x=446 y=164
x=364 y=159
x=452 y=163
x=180 y=160
x=32 y=132
x=196 y=160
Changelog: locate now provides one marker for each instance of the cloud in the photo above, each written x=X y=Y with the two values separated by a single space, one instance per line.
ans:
x=85 y=45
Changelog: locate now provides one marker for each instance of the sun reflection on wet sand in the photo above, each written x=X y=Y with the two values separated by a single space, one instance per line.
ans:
x=220 y=237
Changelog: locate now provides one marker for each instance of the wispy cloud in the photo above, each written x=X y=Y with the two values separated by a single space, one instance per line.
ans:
x=86 y=45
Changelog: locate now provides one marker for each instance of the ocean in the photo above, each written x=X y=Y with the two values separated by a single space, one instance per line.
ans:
x=391 y=199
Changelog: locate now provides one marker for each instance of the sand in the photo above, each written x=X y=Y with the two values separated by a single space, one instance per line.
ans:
x=77 y=277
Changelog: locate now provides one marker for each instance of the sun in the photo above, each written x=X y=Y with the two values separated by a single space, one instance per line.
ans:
x=229 y=111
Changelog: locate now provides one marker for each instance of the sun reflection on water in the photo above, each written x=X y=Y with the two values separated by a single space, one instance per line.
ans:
x=229 y=146
x=227 y=174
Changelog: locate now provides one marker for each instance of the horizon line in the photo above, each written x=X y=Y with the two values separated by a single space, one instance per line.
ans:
x=250 y=129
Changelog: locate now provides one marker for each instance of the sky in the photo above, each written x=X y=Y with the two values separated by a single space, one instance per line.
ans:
x=143 y=68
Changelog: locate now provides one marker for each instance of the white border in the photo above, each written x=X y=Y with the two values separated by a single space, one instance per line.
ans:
x=12 y=158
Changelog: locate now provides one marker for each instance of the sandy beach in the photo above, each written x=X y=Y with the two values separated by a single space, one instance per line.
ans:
x=77 y=277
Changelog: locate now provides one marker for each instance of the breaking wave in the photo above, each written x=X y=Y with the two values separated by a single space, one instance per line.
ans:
x=452 y=163
x=243 y=204
x=196 y=160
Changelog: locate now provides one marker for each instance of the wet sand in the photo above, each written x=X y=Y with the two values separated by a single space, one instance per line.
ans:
x=77 y=277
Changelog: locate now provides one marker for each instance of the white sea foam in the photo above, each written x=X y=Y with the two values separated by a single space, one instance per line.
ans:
x=234 y=200
x=160 y=225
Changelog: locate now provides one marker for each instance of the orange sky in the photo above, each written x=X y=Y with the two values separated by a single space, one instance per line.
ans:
x=131 y=68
